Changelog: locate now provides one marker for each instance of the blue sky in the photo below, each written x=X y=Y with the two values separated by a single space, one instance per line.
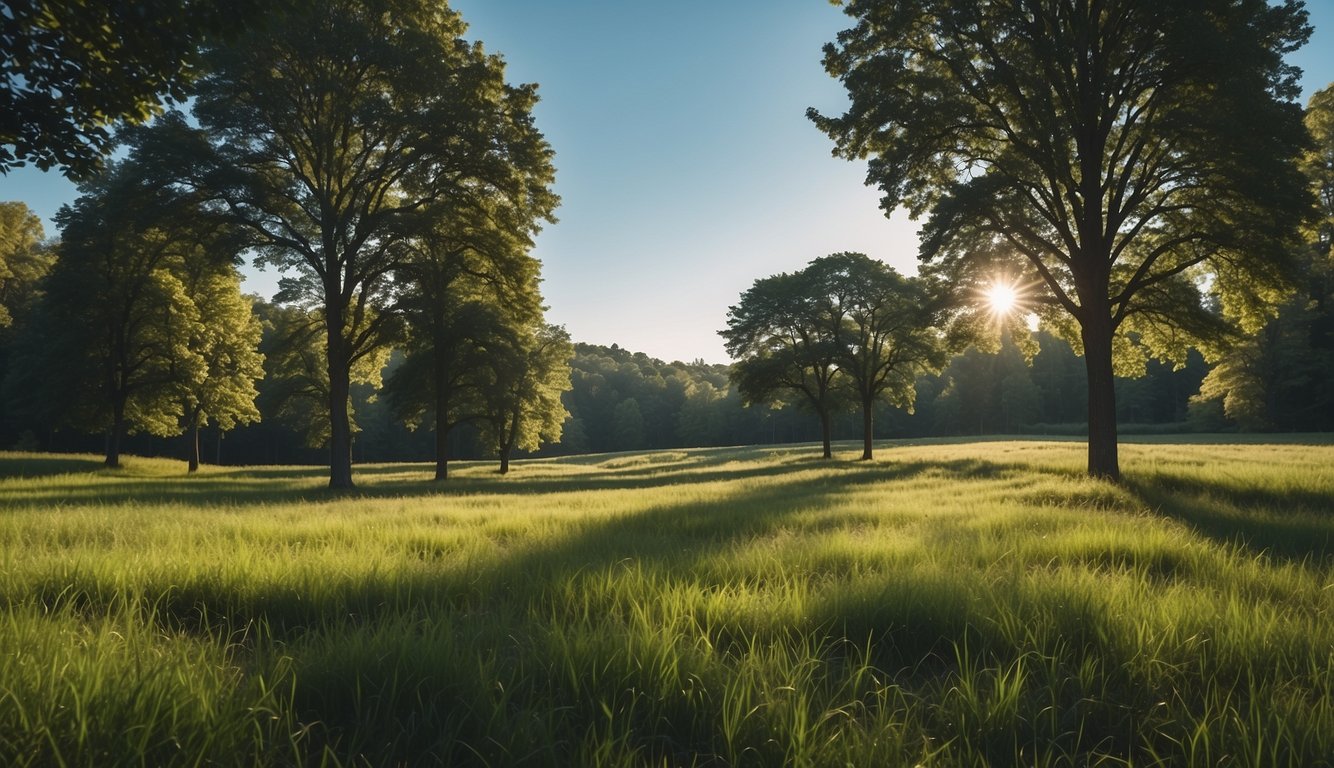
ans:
x=684 y=159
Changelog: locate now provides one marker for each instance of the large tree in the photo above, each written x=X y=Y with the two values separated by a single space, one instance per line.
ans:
x=337 y=134
x=1134 y=157
x=74 y=70
x=785 y=340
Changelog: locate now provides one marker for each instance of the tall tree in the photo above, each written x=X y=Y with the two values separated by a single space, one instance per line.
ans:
x=227 y=337
x=785 y=340
x=892 y=331
x=75 y=70
x=338 y=132
x=110 y=344
x=1131 y=155
x=471 y=274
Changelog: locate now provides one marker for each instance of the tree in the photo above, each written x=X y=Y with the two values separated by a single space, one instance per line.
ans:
x=1282 y=377
x=24 y=259
x=527 y=370
x=785 y=340
x=1130 y=156
x=337 y=133
x=227 y=337
x=892 y=330
x=472 y=274
x=110 y=346
x=75 y=70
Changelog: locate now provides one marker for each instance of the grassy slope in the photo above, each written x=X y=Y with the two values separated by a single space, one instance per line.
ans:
x=946 y=604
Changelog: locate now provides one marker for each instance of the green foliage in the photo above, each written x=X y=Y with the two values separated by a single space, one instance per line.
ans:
x=118 y=342
x=1282 y=375
x=296 y=372
x=526 y=370
x=1126 y=158
x=24 y=259
x=339 y=135
x=75 y=70
x=962 y=604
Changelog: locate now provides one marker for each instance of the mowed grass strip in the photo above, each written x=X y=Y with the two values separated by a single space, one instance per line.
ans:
x=951 y=604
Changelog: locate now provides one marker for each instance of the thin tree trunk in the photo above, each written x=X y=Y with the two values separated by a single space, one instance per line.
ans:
x=827 y=434
x=115 y=434
x=441 y=418
x=504 y=459
x=441 y=443
x=340 y=426
x=192 y=446
x=868 y=427
x=1102 y=448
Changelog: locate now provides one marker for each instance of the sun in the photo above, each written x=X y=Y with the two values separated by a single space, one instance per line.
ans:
x=1003 y=298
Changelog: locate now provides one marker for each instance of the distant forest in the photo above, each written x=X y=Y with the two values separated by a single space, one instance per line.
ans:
x=625 y=401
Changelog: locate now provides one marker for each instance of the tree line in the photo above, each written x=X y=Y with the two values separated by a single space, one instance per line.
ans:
x=1148 y=184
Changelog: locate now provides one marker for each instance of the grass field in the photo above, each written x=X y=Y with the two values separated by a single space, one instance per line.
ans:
x=949 y=604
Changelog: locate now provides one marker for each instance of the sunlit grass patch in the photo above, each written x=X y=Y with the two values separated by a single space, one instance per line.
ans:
x=946 y=604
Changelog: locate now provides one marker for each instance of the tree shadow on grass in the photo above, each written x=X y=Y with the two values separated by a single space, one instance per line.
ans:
x=1292 y=524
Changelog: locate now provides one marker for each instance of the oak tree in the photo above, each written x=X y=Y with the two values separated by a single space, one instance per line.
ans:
x=1135 y=158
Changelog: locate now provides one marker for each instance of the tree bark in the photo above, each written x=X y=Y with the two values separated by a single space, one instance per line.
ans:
x=340 y=427
x=504 y=459
x=868 y=427
x=441 y=442
x=192 y=444
x=441 y=416
x=1102 y=448
x=115 y=434
x=827 y=433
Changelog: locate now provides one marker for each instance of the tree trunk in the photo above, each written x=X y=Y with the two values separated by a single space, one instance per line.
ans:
x=441 y=442
x=868 y=427
x=115 y=434
x=504 y=459
x=192 y=444
x=1102 y=448
x=441 y=418
x=340 y=427
x=827 y=433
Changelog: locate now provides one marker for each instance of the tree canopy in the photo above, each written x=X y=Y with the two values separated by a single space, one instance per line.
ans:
x=336 y=136
x=75 y=70
x=1137 y=159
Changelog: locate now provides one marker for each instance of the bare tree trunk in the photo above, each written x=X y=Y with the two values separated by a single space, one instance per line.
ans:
x=192 y=444
x=1102 y=448
x=441 y=443
x=868 y=427
x=116 y=433
x=827 y=433
x=340 y=426
x=441 y=418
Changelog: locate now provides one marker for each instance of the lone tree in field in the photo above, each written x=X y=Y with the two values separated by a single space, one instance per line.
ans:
x=336 y=134
x=785 y=340
x=527 y=370
x=1137 y=158
x=892 y=329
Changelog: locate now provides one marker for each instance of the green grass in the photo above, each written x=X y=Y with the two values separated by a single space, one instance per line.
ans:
x=949 y=604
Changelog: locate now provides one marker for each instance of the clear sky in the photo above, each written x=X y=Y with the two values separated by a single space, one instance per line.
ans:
x=685 y=163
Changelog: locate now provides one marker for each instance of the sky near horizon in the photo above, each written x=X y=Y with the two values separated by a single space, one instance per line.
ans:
x=685 y=163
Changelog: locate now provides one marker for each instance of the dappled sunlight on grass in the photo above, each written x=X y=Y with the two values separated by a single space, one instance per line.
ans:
x=948 y=604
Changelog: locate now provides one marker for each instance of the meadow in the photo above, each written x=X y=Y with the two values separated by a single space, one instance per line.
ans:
x=947 y=604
